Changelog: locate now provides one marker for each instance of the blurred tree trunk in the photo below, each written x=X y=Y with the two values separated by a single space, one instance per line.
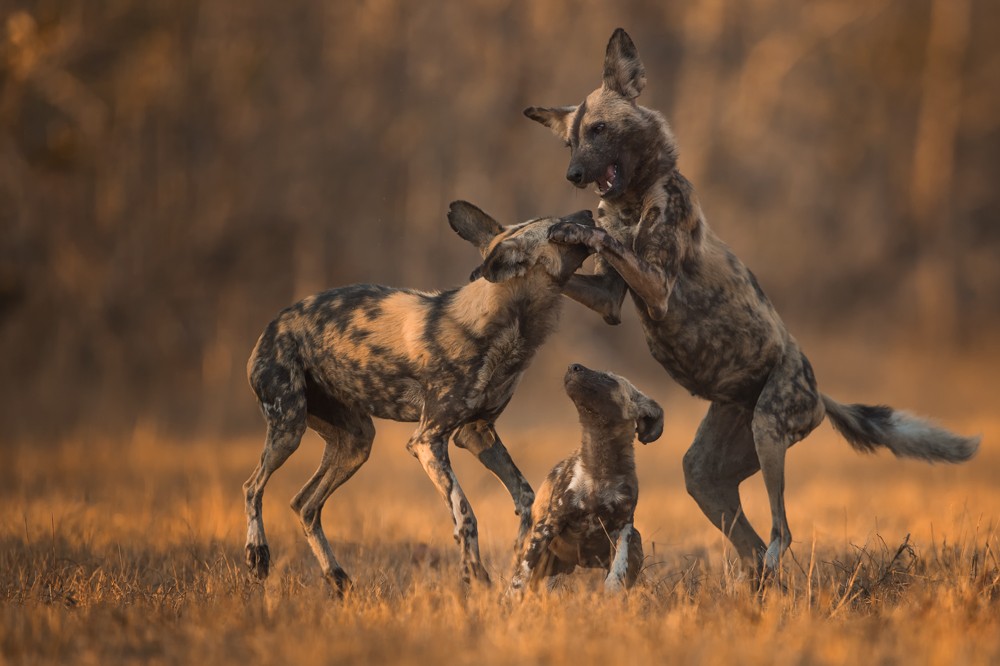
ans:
x=697 y=95
x=749 y=110
x=936 y=278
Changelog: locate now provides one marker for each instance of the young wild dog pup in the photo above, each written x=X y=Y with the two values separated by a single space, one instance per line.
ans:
x=584 y=510
x=448 y=360
x=706 y=319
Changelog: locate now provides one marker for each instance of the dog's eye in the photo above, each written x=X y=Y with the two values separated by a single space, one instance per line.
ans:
x=597 y=128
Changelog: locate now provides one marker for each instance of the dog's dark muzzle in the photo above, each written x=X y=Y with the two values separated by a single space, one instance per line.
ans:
x=575 y=174
x=582 y=376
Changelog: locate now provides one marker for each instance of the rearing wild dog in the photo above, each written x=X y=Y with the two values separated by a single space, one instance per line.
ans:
x=705 y=318
x=449 y=361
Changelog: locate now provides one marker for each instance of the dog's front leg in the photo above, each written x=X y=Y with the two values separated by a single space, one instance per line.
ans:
x=601 y=292
x=481 y=439
x=625 y=567
x=651 y=276
x=430 y=446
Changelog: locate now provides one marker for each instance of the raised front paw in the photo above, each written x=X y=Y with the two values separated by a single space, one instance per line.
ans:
x=570 y=233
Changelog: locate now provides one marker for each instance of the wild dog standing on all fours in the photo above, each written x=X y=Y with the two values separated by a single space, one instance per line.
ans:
x=705 y=318
x=449 y=360
x=584 y=513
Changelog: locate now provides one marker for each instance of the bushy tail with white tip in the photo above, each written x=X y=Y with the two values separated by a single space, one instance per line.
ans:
x=868 y=427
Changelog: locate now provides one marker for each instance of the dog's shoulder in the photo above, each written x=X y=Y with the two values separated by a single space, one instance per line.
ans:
x=553 y=495
x=618 y=221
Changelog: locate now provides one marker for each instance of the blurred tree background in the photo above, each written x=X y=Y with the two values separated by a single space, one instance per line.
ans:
x=173 y=172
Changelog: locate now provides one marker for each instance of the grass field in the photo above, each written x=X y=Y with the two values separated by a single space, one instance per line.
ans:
x=132 y=552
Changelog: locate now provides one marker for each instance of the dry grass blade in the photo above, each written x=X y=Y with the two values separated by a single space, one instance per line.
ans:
x=135 y=555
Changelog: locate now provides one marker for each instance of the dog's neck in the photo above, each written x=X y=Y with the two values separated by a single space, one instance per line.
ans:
x=607 y=449
x=531 y=301
x=670 y=192
x=657 y=155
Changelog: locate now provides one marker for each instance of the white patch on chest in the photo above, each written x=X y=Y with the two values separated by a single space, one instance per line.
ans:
x=581 y=482
x=612 y=495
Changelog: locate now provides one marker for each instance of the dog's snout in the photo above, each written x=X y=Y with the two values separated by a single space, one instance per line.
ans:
x=575 y=174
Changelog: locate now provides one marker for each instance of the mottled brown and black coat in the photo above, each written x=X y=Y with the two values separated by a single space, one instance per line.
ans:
x=705 y=318
x=584 y=513
x=447 y=360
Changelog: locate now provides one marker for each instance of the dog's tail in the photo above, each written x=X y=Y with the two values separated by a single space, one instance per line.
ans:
x=867 y=427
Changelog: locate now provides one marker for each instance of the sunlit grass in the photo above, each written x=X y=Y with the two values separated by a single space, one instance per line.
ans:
x=132 y=551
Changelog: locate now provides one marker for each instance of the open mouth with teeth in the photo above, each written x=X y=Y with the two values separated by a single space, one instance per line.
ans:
x=607 y=181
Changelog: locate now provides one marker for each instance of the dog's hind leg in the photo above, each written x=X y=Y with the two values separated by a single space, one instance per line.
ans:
x=347 y=448
x=285 y=413
x=534 y=561
x=481 y=439
x=788 y=409
x=721 y=457
x=429 y=444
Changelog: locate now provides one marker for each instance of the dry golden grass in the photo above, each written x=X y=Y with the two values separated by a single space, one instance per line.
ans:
x=132 y=552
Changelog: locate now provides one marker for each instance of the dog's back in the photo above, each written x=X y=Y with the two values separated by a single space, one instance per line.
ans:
x=362 y=345
x=386 y=351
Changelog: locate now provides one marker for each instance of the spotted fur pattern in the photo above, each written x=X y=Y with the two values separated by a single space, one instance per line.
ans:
x=705 y=318
x=584 y=513
x=447 y=360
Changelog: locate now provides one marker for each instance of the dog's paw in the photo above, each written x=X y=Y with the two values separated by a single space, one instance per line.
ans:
x=259 y=561
x=474 y=573
x=772 y=556
x=570 y=233
x=339 y=582
x=614 y=585
x=515 y=590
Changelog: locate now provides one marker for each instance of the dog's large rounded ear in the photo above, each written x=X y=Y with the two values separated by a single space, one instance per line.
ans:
x=506 y=260
x=649 y=420
x=558 y=119
x=623 y=70
x=472 y=224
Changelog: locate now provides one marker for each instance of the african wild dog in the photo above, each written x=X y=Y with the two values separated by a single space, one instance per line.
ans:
x=584 y=512
x=447 y=360
x=705 y=318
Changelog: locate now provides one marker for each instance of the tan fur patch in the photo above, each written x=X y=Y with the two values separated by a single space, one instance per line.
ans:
x=401 y=326
x=541 y=504
x=474 y=304
x=606 y=106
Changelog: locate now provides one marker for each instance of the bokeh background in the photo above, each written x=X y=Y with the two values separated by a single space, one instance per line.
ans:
x=173 y=173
